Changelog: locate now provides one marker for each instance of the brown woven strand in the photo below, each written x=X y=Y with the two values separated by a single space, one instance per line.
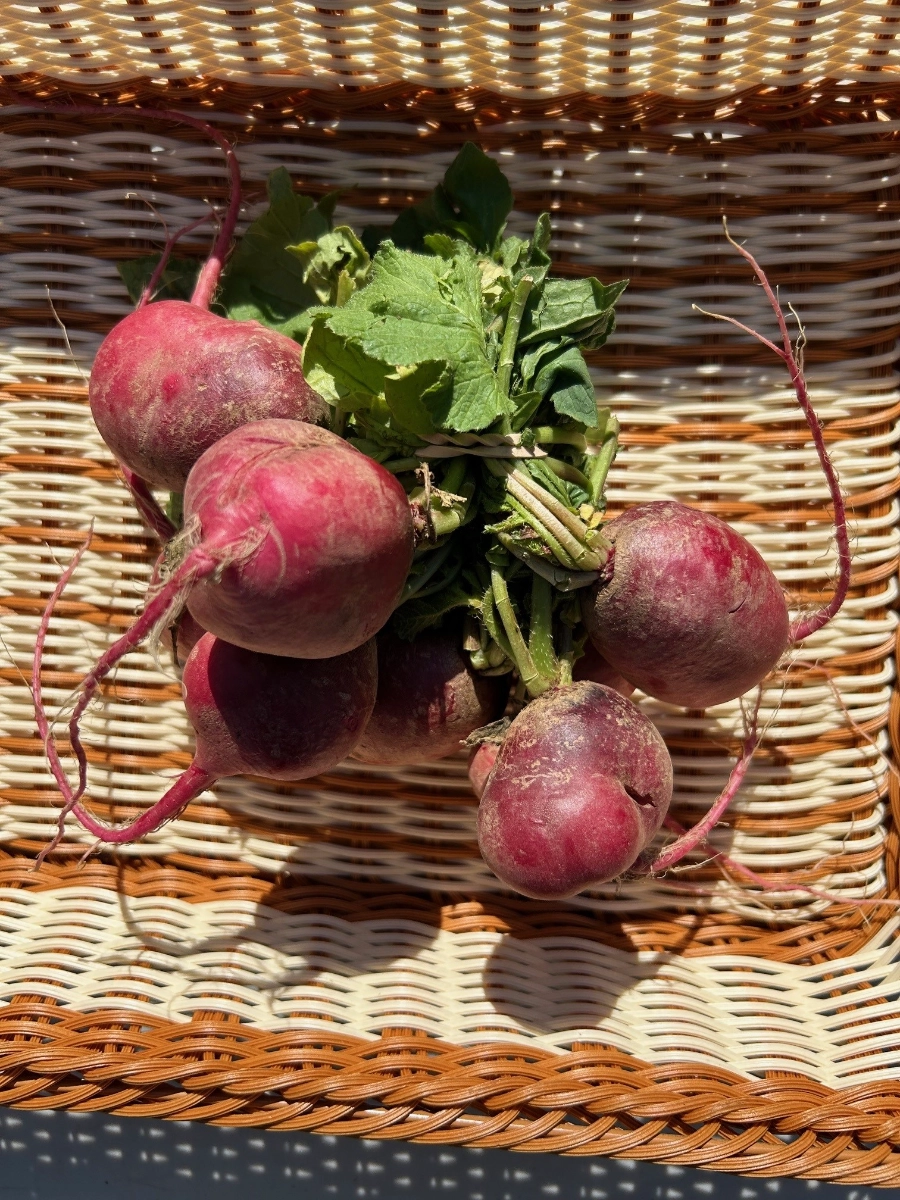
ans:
x=408 y=1086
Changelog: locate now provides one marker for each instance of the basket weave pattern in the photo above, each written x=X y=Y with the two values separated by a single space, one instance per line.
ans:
x=334 y=956
x=530 y=47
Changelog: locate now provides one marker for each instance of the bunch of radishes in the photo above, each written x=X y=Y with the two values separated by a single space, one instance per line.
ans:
x=384 y=563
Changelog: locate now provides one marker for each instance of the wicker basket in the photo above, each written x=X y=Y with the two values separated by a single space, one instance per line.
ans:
x=333 y=956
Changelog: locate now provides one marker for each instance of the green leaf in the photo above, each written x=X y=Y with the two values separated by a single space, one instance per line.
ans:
x=480 y=193
x=335 y=265
x=290 y=259
x=177 y=281
x=527 y=404
x=581 y=309
x=564 y=379
x=440 y=244
x=472 y=203
x=420 y=309
x=418 y=396
x=341 y=373
x=536 y=262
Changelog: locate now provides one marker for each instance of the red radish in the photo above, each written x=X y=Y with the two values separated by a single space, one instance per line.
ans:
x=172 y=378
x=581 y=784
x=429 y=699
x=686 y=608
x=274 y=556
x=255 y=714
x=481 y=763
x=331 y=536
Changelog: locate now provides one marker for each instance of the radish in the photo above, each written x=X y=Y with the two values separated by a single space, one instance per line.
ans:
x=253 y=714
x=172 y=377
x=429 y=699
x=481 y=763
x=581 y=784
x=686 y=608
x=273 y=555
x=304 y=543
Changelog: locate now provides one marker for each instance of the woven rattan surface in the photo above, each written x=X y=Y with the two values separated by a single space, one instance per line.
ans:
x=334 y=956
x=618 y=47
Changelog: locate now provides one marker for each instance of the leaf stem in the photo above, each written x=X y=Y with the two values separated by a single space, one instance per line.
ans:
x=399 y=466
x=540 y=632
x=550 y=435
x=559 y=552
x=531 y=677
x=598 y=464
x=568 y=529
x=511 y=332
x=564 y=470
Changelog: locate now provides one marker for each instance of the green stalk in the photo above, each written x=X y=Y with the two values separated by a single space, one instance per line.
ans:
x=572 y=522
x=564 y=470
x=175 y=509
x=598 y=464
x=456 y=474
x=397 y=466
x=511 y=332
x=496 y=633
x=531 y=677
x=540 y=633
x=558 y=550
x=542 y=505
x=338 y=420
x=549 y=435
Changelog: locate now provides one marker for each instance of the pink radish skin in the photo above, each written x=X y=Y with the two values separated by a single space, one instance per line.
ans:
x=282 y=718
x=171 y=379
x=429 y=700
x=481 y=763
x=582 y=783
x=257 y=714
x=592 y=667
x=335 y=540
x=686 y=609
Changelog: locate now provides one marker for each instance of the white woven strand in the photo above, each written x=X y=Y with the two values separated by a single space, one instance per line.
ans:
x=527 y=48
x=91 y=950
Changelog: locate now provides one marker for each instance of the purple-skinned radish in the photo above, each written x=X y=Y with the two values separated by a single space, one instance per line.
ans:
x=686 y=608
x=581 y=784
x=172 y=378
x=253 y=714
x=429 y=699
x=295 y=544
